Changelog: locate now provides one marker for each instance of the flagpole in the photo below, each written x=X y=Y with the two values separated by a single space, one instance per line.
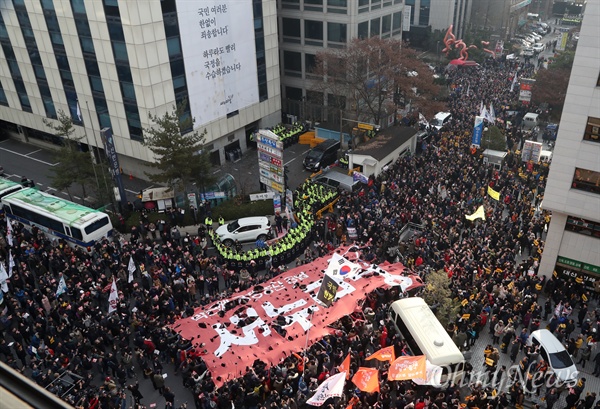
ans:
x=87 y=140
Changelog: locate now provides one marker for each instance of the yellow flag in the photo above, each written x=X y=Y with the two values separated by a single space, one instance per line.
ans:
x=494 y=195
x=479 y=214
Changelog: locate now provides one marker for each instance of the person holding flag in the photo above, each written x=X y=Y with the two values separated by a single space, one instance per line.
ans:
x=113 y=298
x=62 y=286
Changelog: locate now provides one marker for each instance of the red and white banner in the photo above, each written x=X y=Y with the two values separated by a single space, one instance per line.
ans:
x=271 y=320
x=332 y=387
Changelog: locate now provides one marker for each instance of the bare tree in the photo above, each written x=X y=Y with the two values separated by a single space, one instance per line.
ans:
x=369 y=76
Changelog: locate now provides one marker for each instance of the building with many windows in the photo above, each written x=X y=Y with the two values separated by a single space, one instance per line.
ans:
x=308 y=26
x=573 y=191
x=110 y=63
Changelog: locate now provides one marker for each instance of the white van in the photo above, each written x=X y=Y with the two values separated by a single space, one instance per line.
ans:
x=424 y=334
x=545 y=156
x=440 y=119
x=530 y=120
x=556 y=356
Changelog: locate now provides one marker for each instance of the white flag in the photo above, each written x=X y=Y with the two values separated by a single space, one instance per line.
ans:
x=131 y=268
x=62 y=286
x=514 y=82
x=483 y=112
x=113 y=298
x=11 y=263
x=331 y=387
x=3 y=278
x=481 y=107
x=423 y=120
x=9 y=237
x=488 y=116
x=79 y=112
x=492 y=113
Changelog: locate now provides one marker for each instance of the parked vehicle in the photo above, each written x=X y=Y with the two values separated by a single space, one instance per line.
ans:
x=538 y=47
x=322 y=155
x=338 y=180
x=440 y=119
x=244 y=230
x=556 y=356
x=528 y=52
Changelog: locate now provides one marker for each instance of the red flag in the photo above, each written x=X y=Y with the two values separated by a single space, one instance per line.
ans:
x=384 y=354
x=366 y=379
x=352 y=402
x=345 y=367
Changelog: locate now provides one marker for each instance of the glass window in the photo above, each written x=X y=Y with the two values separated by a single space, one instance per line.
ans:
x=115 y=30
x=320 y=2
x=78 y=6
x=179 y=82
x=363 y=3
x=397 y=21
x=128 y=90
x=293 y=93
x=313 y=29
x=586 y=180
x=291 y=27
x=592 y=130
x=386 y=23
x=583 y=226
x=177 y=68
x=83 y=28
x=375 y=26
x=314 y=97
x=171 y=27
x=424 y=12
x=96 y=83
x=120 y=51
x=56 y=38
x=97 y=225
x=124 y=73
x=337 y=3
x=336 y=32
x=292 y=61
x=87 y=45
x=310 y=61
x=174 y=47
x=363 y=29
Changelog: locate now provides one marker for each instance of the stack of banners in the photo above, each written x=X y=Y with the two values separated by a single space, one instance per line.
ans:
x=283 y=314
x=332 y=387
x=407 y=368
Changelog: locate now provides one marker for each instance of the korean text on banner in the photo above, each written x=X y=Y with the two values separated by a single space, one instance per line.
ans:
x=493 y=194
x=330 y=388
x=477 y=131
x=407 y=368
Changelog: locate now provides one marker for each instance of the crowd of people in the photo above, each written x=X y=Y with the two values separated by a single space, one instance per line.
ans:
x=491 y=263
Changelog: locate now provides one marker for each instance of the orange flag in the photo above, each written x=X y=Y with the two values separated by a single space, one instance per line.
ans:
x=352 y=402
x=345 y=367
x=366 y=379
x=407 y=367
x=384 y=354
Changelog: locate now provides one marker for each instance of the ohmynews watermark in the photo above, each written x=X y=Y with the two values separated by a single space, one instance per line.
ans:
x=501 y=379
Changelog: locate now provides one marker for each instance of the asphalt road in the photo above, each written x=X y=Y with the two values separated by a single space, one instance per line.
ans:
x=21 y=160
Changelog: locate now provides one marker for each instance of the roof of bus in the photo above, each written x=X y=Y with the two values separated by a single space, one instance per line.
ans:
x=65 y=210
x=7 y=183
x=430 y=335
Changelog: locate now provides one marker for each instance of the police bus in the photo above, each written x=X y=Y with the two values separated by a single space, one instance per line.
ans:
x=424 y=335
x=70 y=221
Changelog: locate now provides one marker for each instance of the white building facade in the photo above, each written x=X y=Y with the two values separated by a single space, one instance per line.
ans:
x=573 y=191
x=123 y=60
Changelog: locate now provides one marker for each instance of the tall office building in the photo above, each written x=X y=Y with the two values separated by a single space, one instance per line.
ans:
x=309 y=26
x=573 y=190
x=123 y=60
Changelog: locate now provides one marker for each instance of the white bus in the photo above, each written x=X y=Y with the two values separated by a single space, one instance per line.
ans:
x=70 y=221
x=424 y=335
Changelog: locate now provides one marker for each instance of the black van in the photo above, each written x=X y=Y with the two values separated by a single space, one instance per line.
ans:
x=322 y=155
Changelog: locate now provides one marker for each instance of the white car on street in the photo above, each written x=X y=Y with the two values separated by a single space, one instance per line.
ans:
x=538 y=47
x=244 y=230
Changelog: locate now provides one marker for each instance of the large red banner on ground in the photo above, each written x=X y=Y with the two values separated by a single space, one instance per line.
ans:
x=271 y=321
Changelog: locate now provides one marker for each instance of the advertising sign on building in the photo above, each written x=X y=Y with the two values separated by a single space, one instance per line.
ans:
x=113 y=160
x=270 y=160
x=217 y=39
x=569 y=269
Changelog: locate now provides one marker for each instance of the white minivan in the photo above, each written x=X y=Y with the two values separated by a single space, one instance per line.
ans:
x=555 y=354
x=440 y=119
